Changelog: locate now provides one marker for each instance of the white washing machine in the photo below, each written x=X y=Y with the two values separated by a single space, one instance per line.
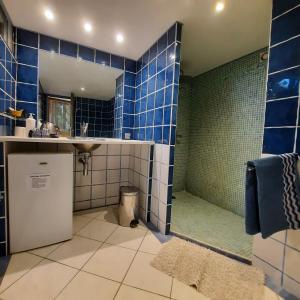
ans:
x=40 y=199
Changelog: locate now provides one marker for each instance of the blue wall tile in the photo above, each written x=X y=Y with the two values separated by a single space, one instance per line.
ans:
x=27 y=38
x=26 y=92
x=26 y=55
x=68 y=48
x=281 y=6
x=278 y=140
x=49 y=43
x=285 y=55
x=1 y=179
x=2 y=204
x=2 y=230
x=281 y=113
x=284 y=84
x=28 y=107
x=286 y=26
x=86 y=53
x=27 y=74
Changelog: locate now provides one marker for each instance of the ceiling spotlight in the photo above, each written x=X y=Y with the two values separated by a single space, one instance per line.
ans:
x=120 y=38
x=49 y=14
x=220 y=6
x=88 y=27
x=82 y=89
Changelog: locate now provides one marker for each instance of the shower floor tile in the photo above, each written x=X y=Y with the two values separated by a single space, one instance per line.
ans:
x=200 y=220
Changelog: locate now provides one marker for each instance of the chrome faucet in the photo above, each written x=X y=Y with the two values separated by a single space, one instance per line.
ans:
x=83 y=129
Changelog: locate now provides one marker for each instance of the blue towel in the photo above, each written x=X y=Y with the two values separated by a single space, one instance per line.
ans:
x=272 y=195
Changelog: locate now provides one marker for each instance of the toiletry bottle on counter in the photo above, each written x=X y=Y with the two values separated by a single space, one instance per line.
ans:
x=30 y=123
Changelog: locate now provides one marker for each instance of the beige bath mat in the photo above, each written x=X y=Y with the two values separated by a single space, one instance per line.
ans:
x=212 y=274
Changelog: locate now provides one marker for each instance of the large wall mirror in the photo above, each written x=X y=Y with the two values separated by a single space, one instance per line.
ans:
x=74 y=92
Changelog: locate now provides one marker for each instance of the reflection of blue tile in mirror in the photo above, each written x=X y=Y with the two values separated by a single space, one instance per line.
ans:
x=26 y=55
x=278 y=140
x=151 y=85
x=286 y=26
x=143 y=117
x=285 y=55
x=2 y=51
x=117 y=62
x=49 y=43
x=26 y=92
x=86 y=53
x=130 y=65
x=102 y=58
x=145 y=58
x=144 y=74
x=129 y=93
x=281 y=113
x=27 y=38
x=68 y=48
x=143 y=104
x=174 y=114
x=173 y=135
x=284 y=84
x=175 y=94
x=171 y=35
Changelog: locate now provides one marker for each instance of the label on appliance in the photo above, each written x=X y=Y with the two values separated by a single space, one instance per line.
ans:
x=39 y=181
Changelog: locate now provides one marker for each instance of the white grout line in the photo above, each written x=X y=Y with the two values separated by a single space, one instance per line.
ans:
x=286 y=12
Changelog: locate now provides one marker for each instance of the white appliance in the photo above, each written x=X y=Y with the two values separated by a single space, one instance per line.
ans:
x=40 y=190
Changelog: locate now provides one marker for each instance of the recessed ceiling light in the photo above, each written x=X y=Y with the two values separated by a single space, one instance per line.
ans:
x=49 y=14
x=120 y=38
x=82 y=89
x=220 y=6
x=87 y=27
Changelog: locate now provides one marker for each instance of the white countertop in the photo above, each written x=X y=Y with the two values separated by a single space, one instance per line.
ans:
x=77 y=140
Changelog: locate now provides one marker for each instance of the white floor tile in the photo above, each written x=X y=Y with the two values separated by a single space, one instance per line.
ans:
x=142 y=275
x=181 y=291
x=151 y=244
x=44 y=281
x=98 y=230
x=79 y=222
x=131 y=293
x=45 y=251
x=111 y=262
x=127 y=237
x=88 y=286
x=76 y=252
x=108 y=214
x=19 y=264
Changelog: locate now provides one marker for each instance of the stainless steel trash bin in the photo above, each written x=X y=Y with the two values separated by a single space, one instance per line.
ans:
x=128 y=208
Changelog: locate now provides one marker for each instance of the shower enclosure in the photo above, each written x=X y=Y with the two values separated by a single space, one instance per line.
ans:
x=219 y=128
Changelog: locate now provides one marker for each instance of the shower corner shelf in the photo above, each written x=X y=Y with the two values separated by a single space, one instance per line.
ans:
x=3 y=114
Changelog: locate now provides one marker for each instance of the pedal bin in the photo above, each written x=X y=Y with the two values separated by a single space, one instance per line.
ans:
x=128 y=208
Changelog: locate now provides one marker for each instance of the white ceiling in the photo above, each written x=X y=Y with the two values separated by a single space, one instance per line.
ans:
x=209 y=39
x=63 y=75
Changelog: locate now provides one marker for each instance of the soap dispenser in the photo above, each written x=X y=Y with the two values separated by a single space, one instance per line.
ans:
x=30 y=123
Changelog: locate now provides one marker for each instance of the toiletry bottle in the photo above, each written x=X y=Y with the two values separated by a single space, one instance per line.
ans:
x=30 y=123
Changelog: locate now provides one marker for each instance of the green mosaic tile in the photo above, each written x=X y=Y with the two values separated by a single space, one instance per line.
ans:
x=224 y=120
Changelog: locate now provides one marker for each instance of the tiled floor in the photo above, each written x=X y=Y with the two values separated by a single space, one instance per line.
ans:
x=102 y=261
x=210 y=224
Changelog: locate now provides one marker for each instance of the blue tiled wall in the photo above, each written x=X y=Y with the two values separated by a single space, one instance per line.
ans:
x=99 y=114
x=282 y=132
x=157 y=82
x=8 y=67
